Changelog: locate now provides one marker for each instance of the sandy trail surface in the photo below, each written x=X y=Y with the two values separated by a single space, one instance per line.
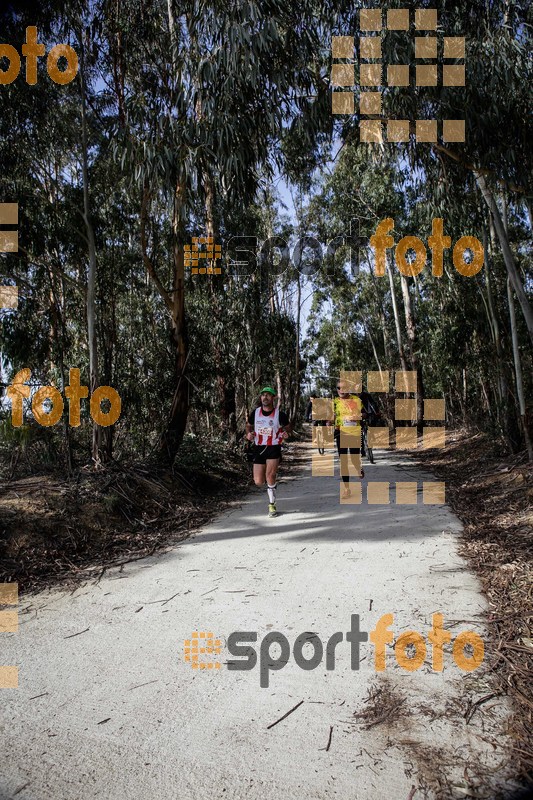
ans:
x=108 y=707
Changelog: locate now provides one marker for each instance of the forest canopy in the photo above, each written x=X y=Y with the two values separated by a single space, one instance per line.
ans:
x=203 y=119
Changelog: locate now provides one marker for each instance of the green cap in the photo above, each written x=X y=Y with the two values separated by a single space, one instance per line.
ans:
x=268 y=389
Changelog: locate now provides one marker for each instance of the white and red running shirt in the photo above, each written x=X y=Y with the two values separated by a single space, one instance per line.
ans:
x=267 y=427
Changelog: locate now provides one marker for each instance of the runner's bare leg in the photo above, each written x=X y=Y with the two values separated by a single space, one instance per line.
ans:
x=259 y=474
x=272 y=465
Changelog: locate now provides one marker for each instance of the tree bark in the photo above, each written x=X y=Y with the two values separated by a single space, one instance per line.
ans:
x=296 y=396
x=172 y=435
x=502 y=385
x=373 y=344
x=91 y=273
x=413 y=349
x=399 y=341
x=177 y=420
x=225 y=389
x=506 y=251
x=518 y=372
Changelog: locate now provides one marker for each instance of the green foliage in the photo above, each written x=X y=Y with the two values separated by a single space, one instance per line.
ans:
x=219 y=99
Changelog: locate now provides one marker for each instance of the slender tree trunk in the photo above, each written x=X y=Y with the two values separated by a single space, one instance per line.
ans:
x=57 y=315
x=378 y=304
x=172 y=435
x=502 y=384
x=518 y=372
x=225 y=389
x=177 y=420
x=413 y=348
x=296 y=397
x=484 y=395
x=376 y=357
x=508 y=258
x=108 y=338
x=91 y=274
x=529 y=208
x=399 y=341
x=493 y=317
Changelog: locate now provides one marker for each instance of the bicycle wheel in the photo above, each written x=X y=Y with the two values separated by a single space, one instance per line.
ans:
x=321 y=451
x=370 y=454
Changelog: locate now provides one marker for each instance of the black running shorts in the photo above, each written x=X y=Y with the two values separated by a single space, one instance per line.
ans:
x=263 y=452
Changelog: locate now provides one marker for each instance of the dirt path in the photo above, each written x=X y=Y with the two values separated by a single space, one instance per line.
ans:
x=108 y=707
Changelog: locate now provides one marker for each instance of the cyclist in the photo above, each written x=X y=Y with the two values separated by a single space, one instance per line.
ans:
x=348 y=411
x=266 y=427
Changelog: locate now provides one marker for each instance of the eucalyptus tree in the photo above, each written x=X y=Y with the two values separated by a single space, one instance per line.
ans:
x=38 y=156
x=494 y=163
x=203 y=91
x=495 y=104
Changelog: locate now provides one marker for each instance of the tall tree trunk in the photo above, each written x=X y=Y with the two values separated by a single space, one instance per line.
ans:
x=529 y=207
x=397 y=326
x=518 y=372
x=485 y=397
x=108 y=339
x=413 y=350
x=296 y=395
x=173 y=434
x=378 y=304
x=373 y=344
x=57 y=318
x=508 y=258
x=225 y=390
x=501 y=362
x=91 y=273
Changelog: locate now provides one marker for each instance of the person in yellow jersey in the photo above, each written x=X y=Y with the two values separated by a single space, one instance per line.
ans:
x=348 y=410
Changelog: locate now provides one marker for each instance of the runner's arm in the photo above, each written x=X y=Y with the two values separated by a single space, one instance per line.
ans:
x=287 y=428
x=250 y=428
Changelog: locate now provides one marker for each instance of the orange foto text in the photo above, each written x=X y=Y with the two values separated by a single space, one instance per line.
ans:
x=32 y=50
x=381 y=241
x=47 y=404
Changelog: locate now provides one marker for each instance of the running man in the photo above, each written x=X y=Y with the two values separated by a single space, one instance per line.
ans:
x=348 y=409
x=266 y=427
